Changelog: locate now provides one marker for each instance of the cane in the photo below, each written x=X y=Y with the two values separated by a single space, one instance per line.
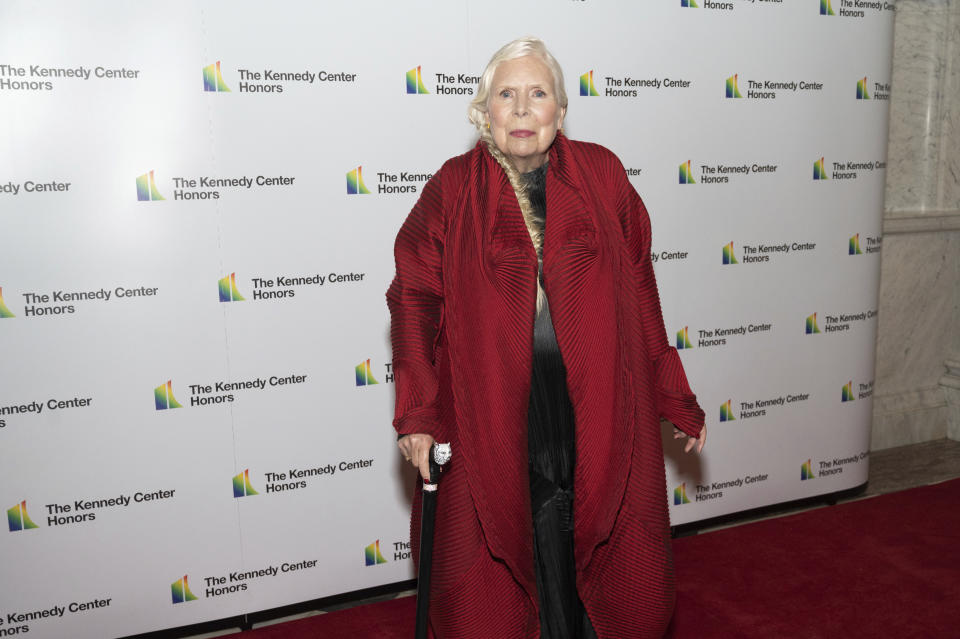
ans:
x=439 y=455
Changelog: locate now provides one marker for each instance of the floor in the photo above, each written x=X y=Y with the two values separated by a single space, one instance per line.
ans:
x=896 y=469
x=891 y=470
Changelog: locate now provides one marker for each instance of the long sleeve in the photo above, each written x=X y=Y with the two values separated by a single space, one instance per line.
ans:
x=675 y=401
x=415 y=300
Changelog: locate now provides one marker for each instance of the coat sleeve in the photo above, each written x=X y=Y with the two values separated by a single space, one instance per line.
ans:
x=675 y=401
x=415 y=300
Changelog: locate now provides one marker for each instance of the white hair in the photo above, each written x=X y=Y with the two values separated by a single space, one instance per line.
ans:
x=519 y=48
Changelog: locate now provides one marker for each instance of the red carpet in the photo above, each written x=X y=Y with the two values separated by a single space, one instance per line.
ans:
x=882 y=567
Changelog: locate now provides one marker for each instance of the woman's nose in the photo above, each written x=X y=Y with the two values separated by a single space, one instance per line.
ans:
x=521 y=106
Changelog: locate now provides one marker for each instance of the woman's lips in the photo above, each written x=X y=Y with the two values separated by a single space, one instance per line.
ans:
x=522 y=133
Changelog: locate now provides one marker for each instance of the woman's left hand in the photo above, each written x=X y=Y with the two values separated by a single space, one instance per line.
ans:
x=700 y=441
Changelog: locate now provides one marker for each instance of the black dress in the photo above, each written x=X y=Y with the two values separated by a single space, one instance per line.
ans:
x=552 y=449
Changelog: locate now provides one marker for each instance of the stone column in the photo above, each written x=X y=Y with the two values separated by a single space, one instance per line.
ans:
x=919 y=322
x=950 y=383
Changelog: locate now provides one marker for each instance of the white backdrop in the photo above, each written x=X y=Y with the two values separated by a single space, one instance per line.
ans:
x=107 y=292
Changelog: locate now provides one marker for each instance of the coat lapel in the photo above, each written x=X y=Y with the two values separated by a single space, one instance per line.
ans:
x=582 y=276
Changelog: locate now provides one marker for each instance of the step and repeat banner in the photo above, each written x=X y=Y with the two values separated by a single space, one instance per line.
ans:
x=198 y=202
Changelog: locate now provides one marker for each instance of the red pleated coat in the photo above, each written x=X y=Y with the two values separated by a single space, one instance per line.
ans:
x=463 y=306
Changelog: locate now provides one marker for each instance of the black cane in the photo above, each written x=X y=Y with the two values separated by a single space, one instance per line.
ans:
x=439 y=455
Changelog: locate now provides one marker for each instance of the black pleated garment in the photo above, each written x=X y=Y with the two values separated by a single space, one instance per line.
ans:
x=551 y=444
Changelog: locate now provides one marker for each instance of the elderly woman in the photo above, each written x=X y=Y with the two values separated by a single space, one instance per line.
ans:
x=527 y=332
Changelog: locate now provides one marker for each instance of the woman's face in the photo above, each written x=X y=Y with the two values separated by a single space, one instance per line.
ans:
x=523 y=111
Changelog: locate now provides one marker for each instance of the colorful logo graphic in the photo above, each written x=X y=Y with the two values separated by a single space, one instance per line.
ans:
x=733 y=91
x=212 y=80
x=726 y=412
x=686 y=174
x=147 y=188
x=853 y=250
x=847 y=395
x=812 y=328
x=355 y=185
x=242 y=486
x=180 y=589
x=415 y=82
x=680 y=495
x=4 y=311
x=729 y=257
x=372 y=555
x=683 y=338
x=805 y=471
x=862 y=89
x=18 y=518
x=689 y=3
x=163 y=396
x=228 y=289
x=826 y=9
x=364 y=375
x=586 y=84
x=818 y=171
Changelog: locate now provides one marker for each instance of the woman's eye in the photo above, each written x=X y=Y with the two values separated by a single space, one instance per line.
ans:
x=505 y=94
x=540 y=93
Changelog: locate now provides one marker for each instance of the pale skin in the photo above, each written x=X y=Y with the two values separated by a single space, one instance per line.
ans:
x=523 y=116
x=522 y=111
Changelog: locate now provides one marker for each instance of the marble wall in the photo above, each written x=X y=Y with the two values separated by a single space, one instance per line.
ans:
x=917 y=386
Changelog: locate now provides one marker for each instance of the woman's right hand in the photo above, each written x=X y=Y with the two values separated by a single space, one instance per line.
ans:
x=416 y=449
